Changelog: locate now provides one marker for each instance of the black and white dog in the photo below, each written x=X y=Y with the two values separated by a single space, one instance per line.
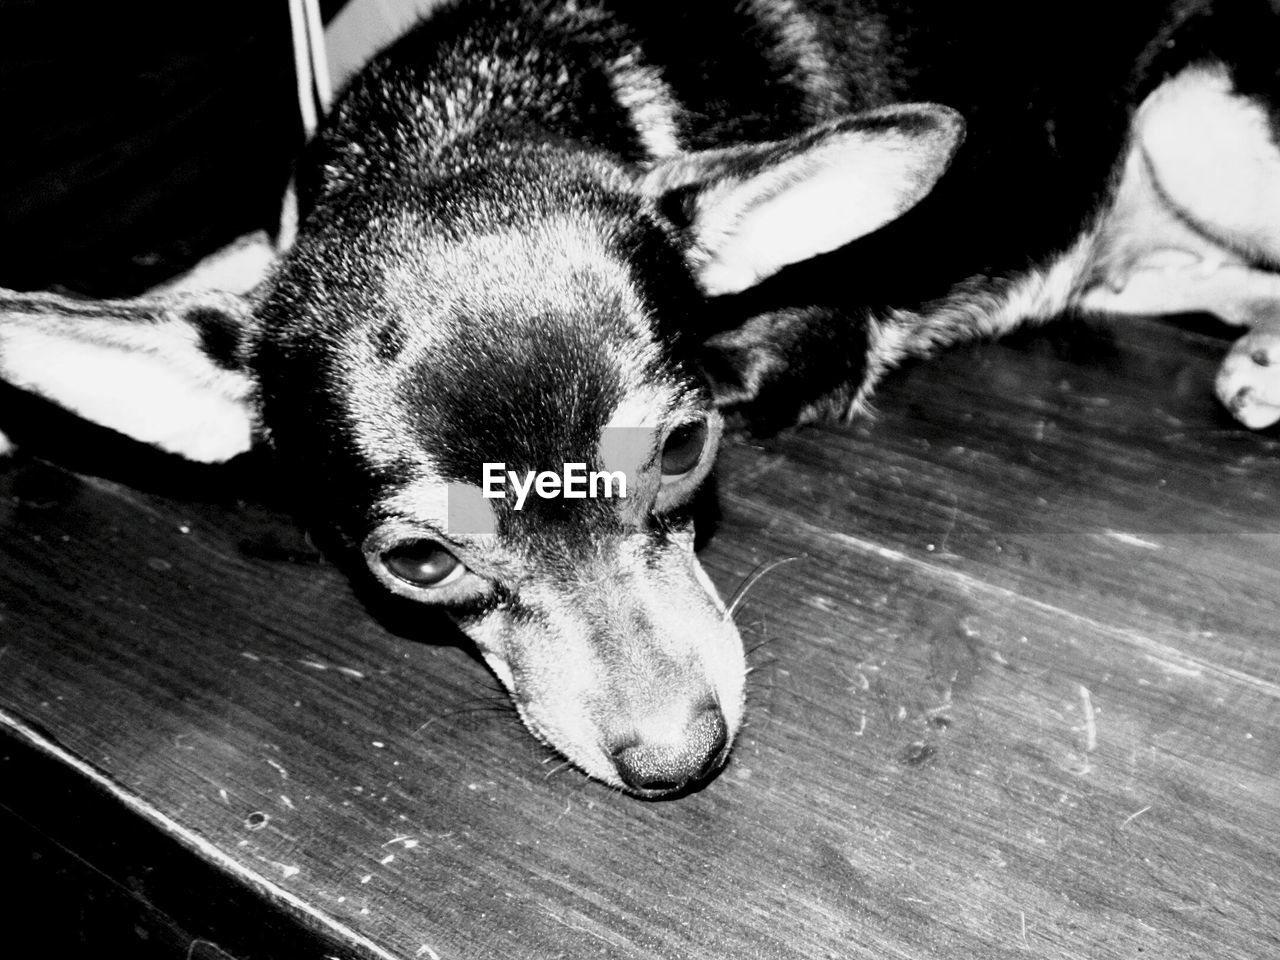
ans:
x=570 y=235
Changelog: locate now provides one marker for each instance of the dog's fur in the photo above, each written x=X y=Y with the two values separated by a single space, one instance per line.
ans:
x=581 y=230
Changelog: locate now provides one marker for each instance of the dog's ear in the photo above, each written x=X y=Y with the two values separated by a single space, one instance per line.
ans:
x=167 y=370
x=746 y=212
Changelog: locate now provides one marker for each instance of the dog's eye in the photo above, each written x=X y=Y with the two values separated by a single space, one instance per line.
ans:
x=683 y=448
x=423 y=563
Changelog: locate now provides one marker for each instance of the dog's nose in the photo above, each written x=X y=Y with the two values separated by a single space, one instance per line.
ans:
x=665 y=758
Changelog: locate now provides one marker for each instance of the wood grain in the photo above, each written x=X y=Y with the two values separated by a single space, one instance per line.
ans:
x=1017 y=697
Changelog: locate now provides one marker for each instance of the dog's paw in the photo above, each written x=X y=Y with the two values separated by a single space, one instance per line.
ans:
x=1248 y=381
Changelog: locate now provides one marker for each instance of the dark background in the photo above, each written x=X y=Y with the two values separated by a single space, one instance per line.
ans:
x=139 y=136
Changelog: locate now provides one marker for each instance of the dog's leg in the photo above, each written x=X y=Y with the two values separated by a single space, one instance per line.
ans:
x=1195 y=227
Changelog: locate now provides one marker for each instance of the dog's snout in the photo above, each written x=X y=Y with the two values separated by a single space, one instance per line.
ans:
x=658 y=759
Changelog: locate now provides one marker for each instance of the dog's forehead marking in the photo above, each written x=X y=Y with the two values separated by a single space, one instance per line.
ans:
x=550 y=263
x=497 y=299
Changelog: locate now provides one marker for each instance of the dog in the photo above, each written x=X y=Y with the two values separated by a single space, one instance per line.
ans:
x=543 y=244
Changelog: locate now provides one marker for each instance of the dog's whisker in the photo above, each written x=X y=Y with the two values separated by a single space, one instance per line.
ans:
x=752 y=579
x=562 y=765
x=493 y=706
x=763 y=642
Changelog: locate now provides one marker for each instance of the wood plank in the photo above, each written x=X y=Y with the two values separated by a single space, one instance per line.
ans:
x=1017 y=697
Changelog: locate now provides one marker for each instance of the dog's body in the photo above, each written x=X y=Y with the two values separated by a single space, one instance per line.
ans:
x=570 y=231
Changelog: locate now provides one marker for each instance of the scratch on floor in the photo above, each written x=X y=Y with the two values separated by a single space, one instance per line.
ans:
x=1090 y=724
x=581 y=929
x=1135 y=815
x=205 y=948
x=347 y=671
x=1174 y=668
x=278 y=767
x=945 y=706
x=407 y=841
x=1131 y=540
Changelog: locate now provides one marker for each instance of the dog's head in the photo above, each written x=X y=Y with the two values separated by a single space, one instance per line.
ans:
x=485 y=373
x=416 y=365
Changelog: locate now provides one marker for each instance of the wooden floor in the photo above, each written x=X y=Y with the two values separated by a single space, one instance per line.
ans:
x=1018 y=696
